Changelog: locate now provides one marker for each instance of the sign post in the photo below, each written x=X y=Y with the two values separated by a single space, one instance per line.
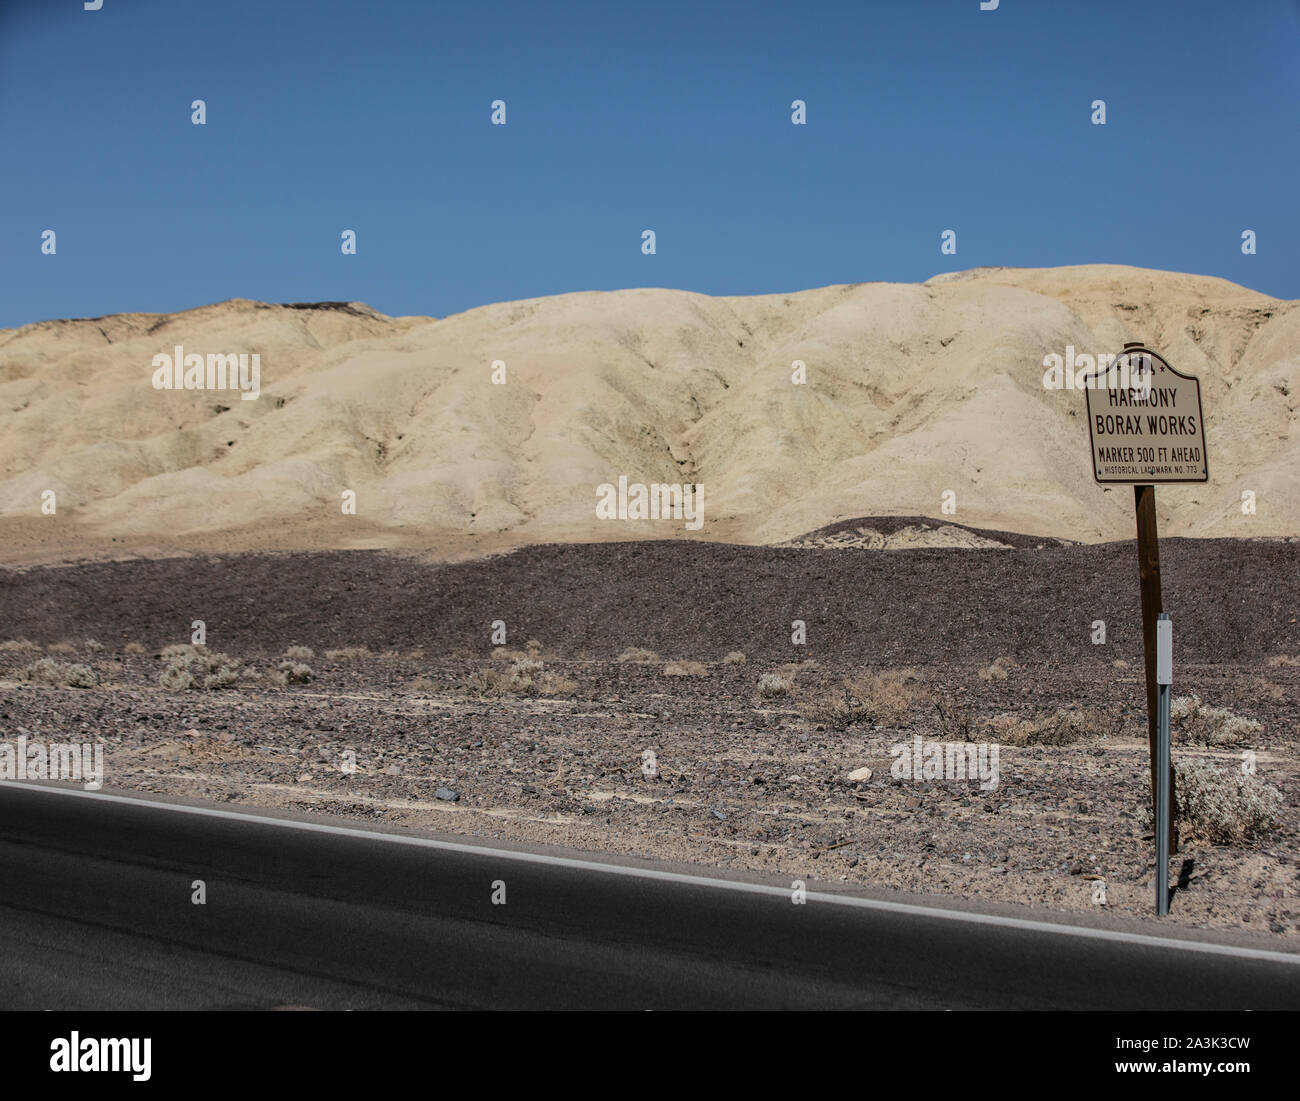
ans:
x=1165 y=788
x=1146 y=428
x=1148 y=540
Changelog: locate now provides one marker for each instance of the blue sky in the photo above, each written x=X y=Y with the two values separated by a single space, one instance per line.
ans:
x=922 y=116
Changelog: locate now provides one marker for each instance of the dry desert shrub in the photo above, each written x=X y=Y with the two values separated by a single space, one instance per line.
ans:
x=1215 y=726
x=489 y=682
x=686 y=669
x=92 y=646
x=838 y=707
x=348 y=653
x=422 y=685
x=63 y=647
x=998 y=670
x=220 y=671
x=789 y=673
x=734 y=658
x=1065 y=727
x=526 y=677
x=19 y=646
x=1007 y=729
x=176 y=678
x=1222 y=806
x=501 y=653
x=1081 y=724
x=882 y=699
x=956 y=721
x=134 y=648
x=198 y=667
x=1277 y=661
x=61 y=674
x=640 y=656
x=295 y=672
x=299 y=653
x=552 y=684
x=771 y=685
x=533 y=646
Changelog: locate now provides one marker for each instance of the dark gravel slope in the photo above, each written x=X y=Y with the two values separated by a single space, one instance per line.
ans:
x=1231 y=600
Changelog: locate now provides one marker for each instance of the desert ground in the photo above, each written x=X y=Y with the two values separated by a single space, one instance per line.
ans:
x=368 y=684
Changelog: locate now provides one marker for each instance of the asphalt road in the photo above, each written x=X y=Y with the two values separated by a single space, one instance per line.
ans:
x=96 y=913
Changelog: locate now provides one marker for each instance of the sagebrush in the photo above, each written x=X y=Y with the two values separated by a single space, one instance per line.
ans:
x=881 y=699
x=61 y=674
x=197 y=667
x=1220 y=805
x=1193 y=721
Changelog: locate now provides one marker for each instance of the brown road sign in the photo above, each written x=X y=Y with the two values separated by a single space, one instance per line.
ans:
x=1145 y=421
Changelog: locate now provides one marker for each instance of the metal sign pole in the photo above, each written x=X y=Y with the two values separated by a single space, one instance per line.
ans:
x=1164 y=769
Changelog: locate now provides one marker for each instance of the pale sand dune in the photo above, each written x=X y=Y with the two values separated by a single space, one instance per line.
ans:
x=913 y=389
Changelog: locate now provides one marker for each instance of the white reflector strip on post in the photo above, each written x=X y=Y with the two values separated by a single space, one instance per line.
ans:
x=1164 y=649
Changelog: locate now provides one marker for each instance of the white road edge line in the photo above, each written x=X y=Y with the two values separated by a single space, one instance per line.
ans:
x=1142 y=939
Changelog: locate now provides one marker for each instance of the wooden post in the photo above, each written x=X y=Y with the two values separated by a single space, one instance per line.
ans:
x=1144 y=503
